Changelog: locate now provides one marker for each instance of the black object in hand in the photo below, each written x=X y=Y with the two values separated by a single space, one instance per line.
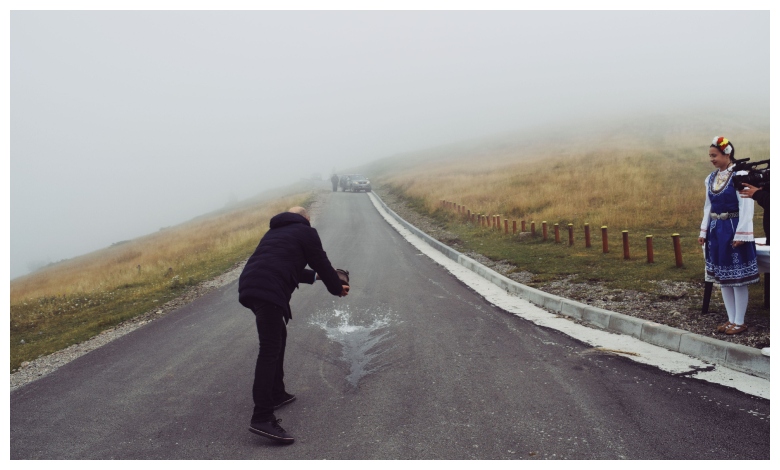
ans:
x=343 y=275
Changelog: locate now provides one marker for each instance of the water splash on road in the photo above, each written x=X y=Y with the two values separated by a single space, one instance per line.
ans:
x=362 y=338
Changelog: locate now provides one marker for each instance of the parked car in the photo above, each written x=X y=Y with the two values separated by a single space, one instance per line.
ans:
x=354 y=183
x=357 y=183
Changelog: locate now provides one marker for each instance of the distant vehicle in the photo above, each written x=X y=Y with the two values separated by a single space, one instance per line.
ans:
x=355 y=183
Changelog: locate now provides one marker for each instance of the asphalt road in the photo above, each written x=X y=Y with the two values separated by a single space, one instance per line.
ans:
x=411 y=365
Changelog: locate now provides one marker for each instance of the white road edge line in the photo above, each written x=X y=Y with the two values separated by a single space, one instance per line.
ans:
x=656 y=356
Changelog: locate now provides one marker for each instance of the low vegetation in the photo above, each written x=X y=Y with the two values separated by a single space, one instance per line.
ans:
x=74 y=300
x=645 y=176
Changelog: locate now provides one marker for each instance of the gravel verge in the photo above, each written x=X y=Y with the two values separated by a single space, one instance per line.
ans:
x=670 y=303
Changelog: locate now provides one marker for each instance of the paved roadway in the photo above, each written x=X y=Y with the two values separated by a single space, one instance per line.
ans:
x=412 y=365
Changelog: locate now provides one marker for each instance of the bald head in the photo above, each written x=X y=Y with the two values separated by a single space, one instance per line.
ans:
x=299 y=210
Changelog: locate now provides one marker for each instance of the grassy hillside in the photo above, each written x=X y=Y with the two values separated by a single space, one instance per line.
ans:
x=73 y=300
x=643 y=175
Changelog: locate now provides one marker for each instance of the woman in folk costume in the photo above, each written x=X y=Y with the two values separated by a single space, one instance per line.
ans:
x=727 y=235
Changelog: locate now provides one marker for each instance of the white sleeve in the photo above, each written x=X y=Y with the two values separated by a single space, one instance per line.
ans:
x=744 y=232
x=705 y=223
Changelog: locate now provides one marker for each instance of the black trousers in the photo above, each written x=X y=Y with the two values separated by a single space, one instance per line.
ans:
x=268 y=387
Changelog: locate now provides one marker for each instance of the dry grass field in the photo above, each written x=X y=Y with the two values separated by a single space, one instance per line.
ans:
x=73 y=300
x=644 y=176
x=622 y=180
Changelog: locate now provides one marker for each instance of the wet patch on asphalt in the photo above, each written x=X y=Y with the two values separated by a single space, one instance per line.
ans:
x=363 y=337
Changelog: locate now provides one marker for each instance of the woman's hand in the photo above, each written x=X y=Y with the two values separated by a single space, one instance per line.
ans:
x=748 y=191
x=736 y=243
x=702 y=240
x=344 y=291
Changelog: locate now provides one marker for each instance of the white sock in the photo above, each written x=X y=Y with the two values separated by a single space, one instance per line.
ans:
x=740 y=304
x=728 y=300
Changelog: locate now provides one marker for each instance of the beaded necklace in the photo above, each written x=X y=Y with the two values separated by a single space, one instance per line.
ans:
x=721 y=180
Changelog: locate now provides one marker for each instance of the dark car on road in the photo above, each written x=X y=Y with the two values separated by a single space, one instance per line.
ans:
x=354 y=183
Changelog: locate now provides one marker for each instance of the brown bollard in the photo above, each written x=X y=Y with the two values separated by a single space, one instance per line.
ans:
x=482 y=220
x=522 y=225
x=557 y=234
x=506 y=226
x=544 y=230
x=677 y=250
x=626 y=254
x=571 y=234
x=649 y=239
x=514 y=227
x=468 y=213
x=587 y=235
x=533 y=228
x=604 y=241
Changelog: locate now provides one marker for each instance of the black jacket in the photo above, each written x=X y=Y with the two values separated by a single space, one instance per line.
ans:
x=279 y=262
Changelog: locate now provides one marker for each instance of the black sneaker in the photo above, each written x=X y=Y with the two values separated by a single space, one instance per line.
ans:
x=271 y=430
x=288 y=398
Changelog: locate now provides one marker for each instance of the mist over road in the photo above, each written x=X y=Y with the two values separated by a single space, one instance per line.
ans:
x=411 y=365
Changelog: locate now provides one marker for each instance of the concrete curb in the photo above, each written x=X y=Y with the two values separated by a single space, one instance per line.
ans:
x=734 y=356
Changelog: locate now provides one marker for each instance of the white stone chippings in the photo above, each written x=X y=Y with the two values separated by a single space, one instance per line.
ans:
x=649 y=354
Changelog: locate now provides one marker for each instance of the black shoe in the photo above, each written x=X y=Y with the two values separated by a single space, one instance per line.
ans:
x=287 y=398
x=271 y=430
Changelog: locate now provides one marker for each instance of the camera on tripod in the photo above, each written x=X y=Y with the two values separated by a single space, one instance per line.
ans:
x=749 y=173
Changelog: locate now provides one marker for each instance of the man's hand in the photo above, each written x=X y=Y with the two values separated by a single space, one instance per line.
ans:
x=749 y=190
x=344 y=291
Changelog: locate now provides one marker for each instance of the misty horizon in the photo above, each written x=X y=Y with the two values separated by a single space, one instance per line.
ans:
x=123 y=122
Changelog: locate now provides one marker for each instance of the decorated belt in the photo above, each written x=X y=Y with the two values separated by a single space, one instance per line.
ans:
x=724 y=215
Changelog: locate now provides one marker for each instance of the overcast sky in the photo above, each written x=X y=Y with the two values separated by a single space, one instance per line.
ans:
x=124 y=122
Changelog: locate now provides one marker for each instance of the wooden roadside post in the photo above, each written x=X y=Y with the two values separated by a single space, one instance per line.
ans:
x=604 y=241
x=587 y=235
x=571 y=234
x=626 y=254
x=522 y=225
x=506 y=226
x=544 y=230
x=514 y=227
x=677 y=250
x=533 y=228
x=557 y=234
x=649 y=239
